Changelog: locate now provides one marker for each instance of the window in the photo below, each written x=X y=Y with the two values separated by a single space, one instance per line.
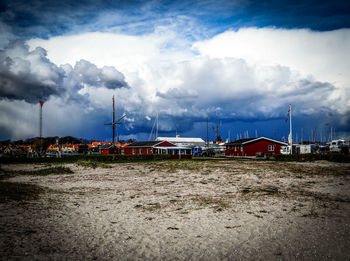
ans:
x=235 y=148
x=140 y=151
x=271 y=148
x=242 y=148
x=133 y=151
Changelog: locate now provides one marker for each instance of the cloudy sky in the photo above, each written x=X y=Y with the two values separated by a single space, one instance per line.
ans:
x=244 y=61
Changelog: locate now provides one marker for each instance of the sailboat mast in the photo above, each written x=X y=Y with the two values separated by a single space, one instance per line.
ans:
x=290 y=127
x=157 y=127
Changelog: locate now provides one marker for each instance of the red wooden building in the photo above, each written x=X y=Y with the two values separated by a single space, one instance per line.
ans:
x=157 y=147
x=109 y=149
x=254 y=147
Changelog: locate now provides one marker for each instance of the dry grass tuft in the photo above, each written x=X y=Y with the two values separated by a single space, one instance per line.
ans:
x=215 y=202
x=264 y=190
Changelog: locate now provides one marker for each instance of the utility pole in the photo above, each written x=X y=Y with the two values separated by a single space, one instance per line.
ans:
x=114 y=123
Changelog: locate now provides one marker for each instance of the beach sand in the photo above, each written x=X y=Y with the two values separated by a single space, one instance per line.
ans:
x=181 y=210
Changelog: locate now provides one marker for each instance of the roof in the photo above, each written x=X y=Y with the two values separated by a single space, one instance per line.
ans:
x=106 y=146
x=251 y=140
x=239 y=142
x=181 y=139
x=173 y=148
x=143 y=144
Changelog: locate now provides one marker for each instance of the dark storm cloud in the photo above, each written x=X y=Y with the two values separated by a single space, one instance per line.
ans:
x=31 y=76
x=107 y=76
x=28 y=75
x=16 y=87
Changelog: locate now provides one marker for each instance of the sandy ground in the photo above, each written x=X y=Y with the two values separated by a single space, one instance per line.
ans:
x=189 y=210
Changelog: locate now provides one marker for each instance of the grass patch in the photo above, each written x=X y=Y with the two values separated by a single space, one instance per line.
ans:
x=175 y=165
x=38 y=172
x=19 y=191
x=92 y=164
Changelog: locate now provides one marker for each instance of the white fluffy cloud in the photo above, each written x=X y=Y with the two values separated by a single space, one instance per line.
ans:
x=247 y=74
x=324 y=56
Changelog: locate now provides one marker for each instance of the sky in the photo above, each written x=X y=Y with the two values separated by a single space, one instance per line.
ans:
x=240 y=63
